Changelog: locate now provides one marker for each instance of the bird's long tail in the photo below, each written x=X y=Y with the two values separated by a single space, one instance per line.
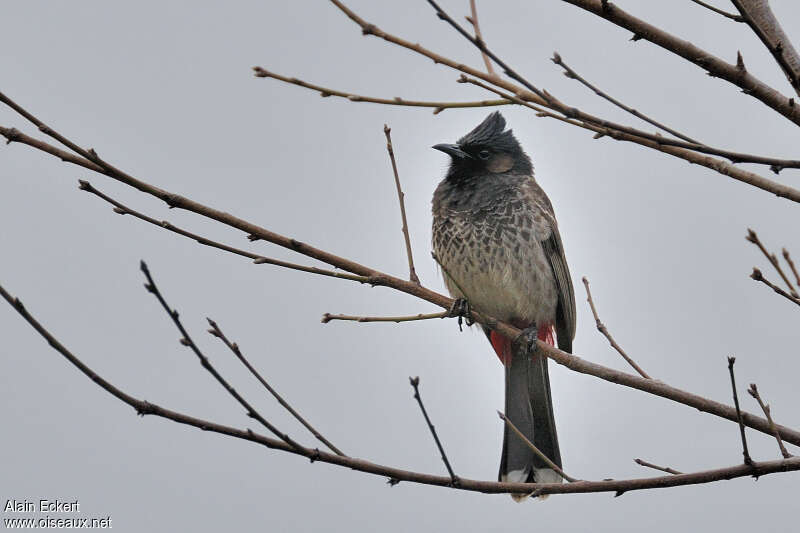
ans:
x=530 y=409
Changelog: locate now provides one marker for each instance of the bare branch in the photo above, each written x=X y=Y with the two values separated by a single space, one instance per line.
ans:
x=731 y=16
x=258 y=259
x=453 y=477
x=325 y=92
x=146 y=408
x=602 y=329
x=570 y=73
x=753 y=390
x=788 y=259
x=747 y=460
x=327 y=317
x=187 y=341
x=412 y=274
x=234 y=347
x=752 y=236
x=758 y=276
x=473 y=19
x=535 y=450
x=656 y=467
x=765 y=25
x=713 y=65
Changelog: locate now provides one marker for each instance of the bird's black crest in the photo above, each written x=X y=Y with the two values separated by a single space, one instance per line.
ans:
x=490 y=133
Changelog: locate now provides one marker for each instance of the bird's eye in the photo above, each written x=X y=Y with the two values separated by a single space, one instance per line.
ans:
x=484 y=154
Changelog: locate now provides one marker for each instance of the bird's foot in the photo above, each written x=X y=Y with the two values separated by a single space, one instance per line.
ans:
x=527 y=340
x=463 y=311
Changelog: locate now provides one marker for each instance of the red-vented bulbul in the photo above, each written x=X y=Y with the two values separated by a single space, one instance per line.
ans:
x=496 y=238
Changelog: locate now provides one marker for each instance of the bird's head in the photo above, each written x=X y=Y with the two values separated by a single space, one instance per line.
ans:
x=486 y=150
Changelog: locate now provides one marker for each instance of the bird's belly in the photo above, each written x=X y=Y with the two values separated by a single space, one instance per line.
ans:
x=506 y=278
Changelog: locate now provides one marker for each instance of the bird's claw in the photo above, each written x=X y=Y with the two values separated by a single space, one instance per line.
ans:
x=463 y=311
x=527 y=339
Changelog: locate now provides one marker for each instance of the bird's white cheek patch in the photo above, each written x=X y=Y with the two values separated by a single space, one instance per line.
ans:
x=500 y=163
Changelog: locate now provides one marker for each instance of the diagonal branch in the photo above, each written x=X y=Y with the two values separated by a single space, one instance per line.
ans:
x=534 y=449
x=415 y=383
x=788 y=259
x=473 y=19
x=752 y=236
x=666 y=469
x=326 y=92
x=602 y=329
x=570 y=73
x=719 y=11
x=715 y=66
x=765 y=25
x=146 y=408
x=258 y=259
x=753 y=390
x=758 y=276
x=234 y=347
x=747 y=460
x=187 y=341
x=412 y=274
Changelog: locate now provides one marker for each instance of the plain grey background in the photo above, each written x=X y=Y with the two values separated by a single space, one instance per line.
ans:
x=164 y=90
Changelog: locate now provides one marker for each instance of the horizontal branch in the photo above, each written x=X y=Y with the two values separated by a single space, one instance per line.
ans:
x=326 y=92
x=327 y=317
x=617 y=486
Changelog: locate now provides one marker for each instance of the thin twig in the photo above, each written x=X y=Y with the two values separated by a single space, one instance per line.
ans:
x=187 y=341
x=602 y=329
x=752 y=236
x=536 y=450
x=570 y=73
x=666 y=469
x=758 y=276
x=747 y=460
x=473 y=19
x=147 y=408
x=412 y=274
x=325 y=92
x=788 y=259
x=258 y=259
x=327 y=317
x=732 y=16
x=453 y=477
x=234 y=347
x=753 y=390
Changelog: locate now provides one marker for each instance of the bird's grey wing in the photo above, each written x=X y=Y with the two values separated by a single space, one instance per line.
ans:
x=554 y=252
x=565 y=315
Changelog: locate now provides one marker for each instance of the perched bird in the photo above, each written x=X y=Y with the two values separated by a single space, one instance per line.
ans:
x=496 y=239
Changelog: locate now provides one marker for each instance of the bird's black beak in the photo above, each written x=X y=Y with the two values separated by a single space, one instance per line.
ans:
x=453 y=150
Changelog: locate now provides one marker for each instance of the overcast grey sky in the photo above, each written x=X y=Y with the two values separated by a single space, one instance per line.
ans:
x=164 y=90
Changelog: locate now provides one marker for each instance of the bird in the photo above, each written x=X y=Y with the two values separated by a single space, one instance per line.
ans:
x=497 y=243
